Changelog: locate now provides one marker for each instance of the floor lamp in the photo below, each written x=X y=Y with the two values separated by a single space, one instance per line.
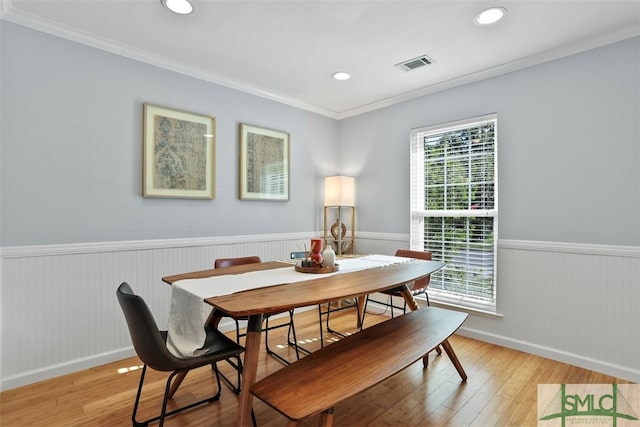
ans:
x=339 y=193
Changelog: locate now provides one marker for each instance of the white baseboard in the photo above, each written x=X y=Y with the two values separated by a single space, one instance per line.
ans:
x=553 y=354
x=69 y=367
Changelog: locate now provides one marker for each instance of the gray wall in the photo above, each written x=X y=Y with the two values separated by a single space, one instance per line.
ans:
x=569 y=149
x=72 y=149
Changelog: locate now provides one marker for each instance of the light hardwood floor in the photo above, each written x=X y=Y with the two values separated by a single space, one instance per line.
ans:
x=501 y=390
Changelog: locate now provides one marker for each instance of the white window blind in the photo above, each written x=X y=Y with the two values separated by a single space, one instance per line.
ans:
x=454 y=209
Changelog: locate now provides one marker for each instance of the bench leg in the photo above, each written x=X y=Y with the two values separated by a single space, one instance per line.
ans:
x=454 y=359
x=425 y=359
x=326 y=419
x=293 y=423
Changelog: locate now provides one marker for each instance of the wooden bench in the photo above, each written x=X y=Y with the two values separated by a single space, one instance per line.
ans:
x=339 y=371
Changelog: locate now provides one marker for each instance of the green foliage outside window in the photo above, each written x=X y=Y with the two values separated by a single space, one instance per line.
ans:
x=459 y=175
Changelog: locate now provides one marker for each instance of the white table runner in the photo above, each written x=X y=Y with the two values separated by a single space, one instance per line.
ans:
x=189 y=312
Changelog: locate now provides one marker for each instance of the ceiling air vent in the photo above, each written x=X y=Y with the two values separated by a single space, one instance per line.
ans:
x=414 y=63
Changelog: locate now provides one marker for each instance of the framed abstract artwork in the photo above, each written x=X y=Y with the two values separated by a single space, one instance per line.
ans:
x=264 y=164
x=179 y=154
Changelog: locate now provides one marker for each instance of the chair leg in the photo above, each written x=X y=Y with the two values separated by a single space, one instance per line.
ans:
x=135 y=405
x=329 y=327
x=320 y=323
x=237 y=331
x=359 y=322
x=165 y=399
x=328 y=313
x=237 y=366
x=392 y=307
x=364 y=311
x=291 y=330
x=292 y=338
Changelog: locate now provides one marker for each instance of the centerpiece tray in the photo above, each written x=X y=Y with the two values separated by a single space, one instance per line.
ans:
x=316 y=270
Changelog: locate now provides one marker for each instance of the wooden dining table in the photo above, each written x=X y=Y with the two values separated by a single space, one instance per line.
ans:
x=256 y=303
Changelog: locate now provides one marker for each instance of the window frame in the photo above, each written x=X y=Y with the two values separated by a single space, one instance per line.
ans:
x=418 y=210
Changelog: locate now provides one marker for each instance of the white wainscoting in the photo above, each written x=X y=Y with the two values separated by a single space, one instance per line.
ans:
x=575 y=303
x=59 y=309
x=568 y=302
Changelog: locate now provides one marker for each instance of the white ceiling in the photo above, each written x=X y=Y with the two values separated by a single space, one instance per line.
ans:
x=287 y=50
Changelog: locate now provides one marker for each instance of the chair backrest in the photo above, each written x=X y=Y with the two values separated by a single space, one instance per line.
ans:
x=230 y=262
x=148 y=341
x=420 y=283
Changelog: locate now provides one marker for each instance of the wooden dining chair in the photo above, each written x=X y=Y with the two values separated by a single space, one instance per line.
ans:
x=150 y=346
x=291 y=334
x=230 y=262
x=417 y=287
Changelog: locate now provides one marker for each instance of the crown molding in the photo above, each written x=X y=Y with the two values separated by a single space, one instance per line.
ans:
x=8 y=13
x=11 y=14
x=530 y=61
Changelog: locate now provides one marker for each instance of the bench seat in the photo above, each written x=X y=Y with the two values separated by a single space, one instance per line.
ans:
x=343 y=369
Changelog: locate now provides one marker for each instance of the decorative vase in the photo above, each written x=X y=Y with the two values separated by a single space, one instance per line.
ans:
x=316 y=255
x=329 y=257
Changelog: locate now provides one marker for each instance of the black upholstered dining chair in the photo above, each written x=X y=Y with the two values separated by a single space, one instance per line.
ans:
x=150 y=345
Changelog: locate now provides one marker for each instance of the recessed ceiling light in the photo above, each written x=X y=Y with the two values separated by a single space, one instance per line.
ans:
x=182 y=7
x=341 y=75
x=490 y=16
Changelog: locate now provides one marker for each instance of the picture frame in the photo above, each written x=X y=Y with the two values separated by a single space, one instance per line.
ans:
x=179 y=153
x=264 y=164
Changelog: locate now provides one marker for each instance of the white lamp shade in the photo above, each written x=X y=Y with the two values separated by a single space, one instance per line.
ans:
x=339 y=191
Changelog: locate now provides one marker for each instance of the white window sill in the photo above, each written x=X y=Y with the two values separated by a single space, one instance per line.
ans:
x=466 y=309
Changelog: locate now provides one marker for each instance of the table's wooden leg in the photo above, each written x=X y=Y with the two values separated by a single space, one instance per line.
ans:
x=326 y=419
x=454 y=359
x=250 y=368
x=408 y=297
x=176 y=383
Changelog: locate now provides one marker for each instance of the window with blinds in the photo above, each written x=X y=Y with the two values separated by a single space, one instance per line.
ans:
x=454 y=209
